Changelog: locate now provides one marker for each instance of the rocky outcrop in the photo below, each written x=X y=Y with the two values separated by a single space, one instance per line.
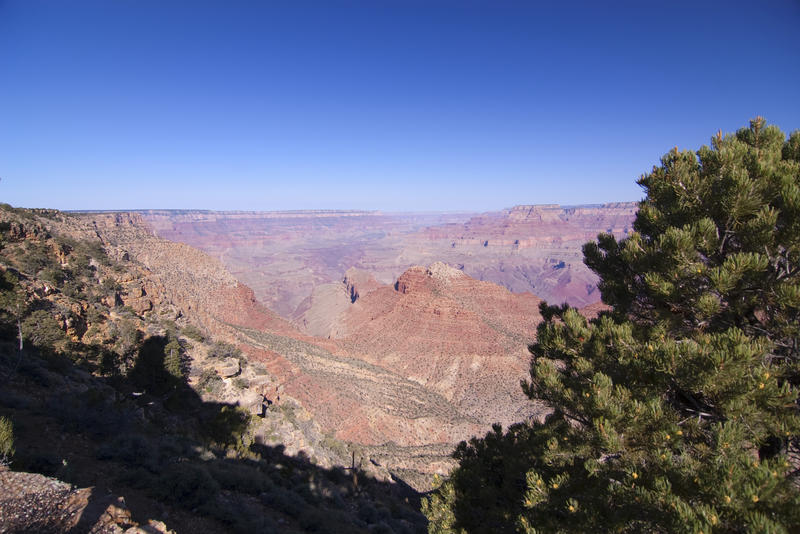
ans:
x=359 y=282
x=30 y=502
x=228 y=367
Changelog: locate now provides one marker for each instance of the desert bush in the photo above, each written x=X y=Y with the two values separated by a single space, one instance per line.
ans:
x=134 y=450
x=221 y=350
x=192 y=332
x=240 y=383
x=73 y=289
x=110 y=285
x=286 y=501
x=209 y=380
x=241 y=516
x=36 y=257
x=94 y=315
x=42 y=330
x=226 y=425
x=186 y=484
x=91 y=413
x=6 y=440
x=368 y=513
x=55 y=275
x=381 y=528
x=173 y=360
x=235 y=476
x=337 y=447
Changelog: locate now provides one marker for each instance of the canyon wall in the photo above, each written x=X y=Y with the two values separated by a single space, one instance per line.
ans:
x=286 y=256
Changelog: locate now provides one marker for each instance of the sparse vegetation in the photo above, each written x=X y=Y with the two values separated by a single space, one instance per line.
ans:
x=209 y=381
x=192 y=332
x=220 y=350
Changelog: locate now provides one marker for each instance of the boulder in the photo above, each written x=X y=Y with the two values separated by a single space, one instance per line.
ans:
x=228 y=367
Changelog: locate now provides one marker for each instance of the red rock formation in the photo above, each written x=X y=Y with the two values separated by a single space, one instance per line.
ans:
x=460 y=338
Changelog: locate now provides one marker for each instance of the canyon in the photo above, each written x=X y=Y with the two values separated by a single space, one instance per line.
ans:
x=408 y=329
x=371 y=339
x=284 y=256
x=402 y=328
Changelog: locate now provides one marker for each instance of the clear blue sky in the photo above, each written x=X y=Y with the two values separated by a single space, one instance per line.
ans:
x=392 y=105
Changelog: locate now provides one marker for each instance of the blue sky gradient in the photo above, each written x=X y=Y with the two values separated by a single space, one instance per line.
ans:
x=391 y=105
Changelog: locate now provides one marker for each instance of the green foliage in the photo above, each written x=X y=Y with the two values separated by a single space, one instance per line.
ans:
x=209 y=380
x=132 y=449
x=6 y=440
x=42 y=330
x=226 y=425
x=192 y=332
x=221 y=350
x=241 y=383
x=127 y=337
x=12 y=304
x=36 y=257
x=158 y=366
x=173 y=361
x=677 y=411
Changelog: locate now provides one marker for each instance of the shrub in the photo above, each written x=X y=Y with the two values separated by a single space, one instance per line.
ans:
x=226 y=425
x=135 y=450
x=209 y=380
x=6 y=440
x=42 y=330
x=173 y=359
x=221 y=350
x=237 y=477
x=286 y=501
x=186 y=484
x=37 y=256
x=192 y=332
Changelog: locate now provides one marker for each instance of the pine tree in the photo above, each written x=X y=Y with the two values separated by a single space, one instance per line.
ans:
x=173 y=362
x=676 y=411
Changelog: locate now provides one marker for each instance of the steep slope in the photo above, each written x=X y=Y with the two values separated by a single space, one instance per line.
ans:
x=197 y=283
x=358 y=401
x=434 y=359
x=430 y=360
x=458 y=337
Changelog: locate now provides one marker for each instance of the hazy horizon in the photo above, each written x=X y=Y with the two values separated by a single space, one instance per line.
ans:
x=391 y=106
x=324 y=210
